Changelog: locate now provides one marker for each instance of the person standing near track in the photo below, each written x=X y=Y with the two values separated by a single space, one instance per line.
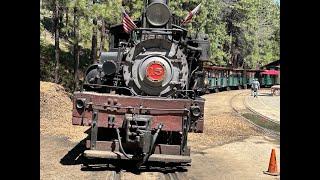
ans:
x=255 y=86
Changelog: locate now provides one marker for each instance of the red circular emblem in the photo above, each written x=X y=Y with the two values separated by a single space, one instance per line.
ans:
x=155 y=71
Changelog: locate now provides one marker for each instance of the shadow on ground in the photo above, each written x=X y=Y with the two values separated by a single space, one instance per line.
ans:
x=129 y=166
x=265 y=94
x=75 y=157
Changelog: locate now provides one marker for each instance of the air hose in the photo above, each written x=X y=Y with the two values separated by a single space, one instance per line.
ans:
x=152 y=146
x=120 y=145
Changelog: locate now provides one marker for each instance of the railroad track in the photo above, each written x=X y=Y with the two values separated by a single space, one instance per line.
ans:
x=159 y=173
x=232 y=100
x=261 y=115
x=176 y=176
x=262 y=129
x=114 y=175
x=162 y=176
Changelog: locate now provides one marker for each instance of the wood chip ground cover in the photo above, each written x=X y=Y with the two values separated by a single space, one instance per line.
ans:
x=56 y=113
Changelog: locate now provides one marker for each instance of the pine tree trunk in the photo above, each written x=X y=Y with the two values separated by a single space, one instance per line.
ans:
x=56 y=40
x=94 y=39
x=67 y=19
x=102 y=37
x=53 y=28
x=61 y=11
x=76 y=47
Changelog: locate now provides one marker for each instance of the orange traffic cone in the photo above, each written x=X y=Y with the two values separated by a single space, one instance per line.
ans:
x=272 y=170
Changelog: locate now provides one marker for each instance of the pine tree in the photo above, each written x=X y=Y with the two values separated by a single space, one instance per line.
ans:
x=94 y=38
x=240 y=31
x=56 y=39
x=76 y=46
x=102 y=36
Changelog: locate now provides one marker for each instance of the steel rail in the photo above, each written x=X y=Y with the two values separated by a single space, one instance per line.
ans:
x=256 y=112
x=264 y=130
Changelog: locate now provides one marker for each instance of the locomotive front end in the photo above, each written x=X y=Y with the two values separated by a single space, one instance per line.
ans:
x=141 y=99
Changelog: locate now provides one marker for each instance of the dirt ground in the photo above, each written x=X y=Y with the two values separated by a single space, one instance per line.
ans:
x=244 y=159
x=230 y=148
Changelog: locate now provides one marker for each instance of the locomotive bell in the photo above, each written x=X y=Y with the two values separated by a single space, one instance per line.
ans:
x=158 y=13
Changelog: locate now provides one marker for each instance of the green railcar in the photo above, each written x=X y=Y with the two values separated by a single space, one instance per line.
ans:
x=240 y=78
x=268 y=80
x=230 y=81
x=223 y=81
x=236 y=81
x=244 y=80
x=250 y=79
x=212 y=82
x=233 y=80
x=219 y=82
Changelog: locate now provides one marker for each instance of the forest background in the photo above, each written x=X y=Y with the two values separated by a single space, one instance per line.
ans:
x=73 y=33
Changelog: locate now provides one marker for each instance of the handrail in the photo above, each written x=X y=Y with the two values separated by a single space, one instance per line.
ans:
x=156 y=29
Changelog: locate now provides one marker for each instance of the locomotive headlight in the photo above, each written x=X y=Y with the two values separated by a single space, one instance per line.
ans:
x=195 y=111
x=80 y=103
x=158 y=14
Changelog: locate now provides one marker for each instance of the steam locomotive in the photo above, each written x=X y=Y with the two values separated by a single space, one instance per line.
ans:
x=142 y=97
